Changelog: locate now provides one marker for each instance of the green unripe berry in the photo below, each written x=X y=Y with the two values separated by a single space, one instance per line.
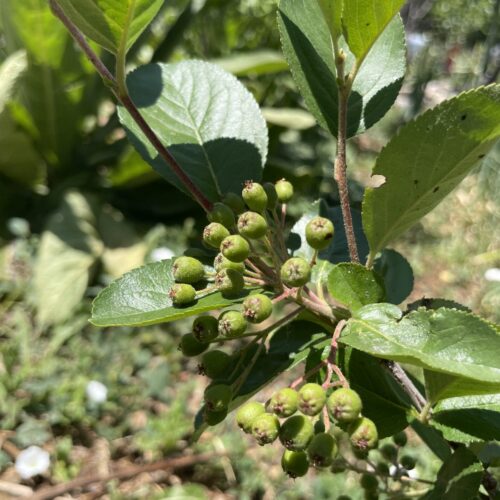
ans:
x=369 y=482
x=214 y=417
x=295 y=272
x=190 y=347
x=408 y=462
x=265 y=428
x=295 y=463
x=220 y=263
x=214 y=363
x=319 y=233
x=182 y=294
x=188 y=270
x=232 y=324
x=229 y=282
x=252 y=225
x=344 y=497
x=370 y=495
x=205 y=329
x=214 y=234
x=363 y=434
x=360 y=454
x=247 y=414
x=338 y=466
x=345 y=405
x=272 y=195
x=284 y=403
x=235 y=202
x=322 y=450
x=312 y=398
x=383 y=469
x=284 y=190
x=218 y=397
x=400 y=438
x=222 y=214
x=296 y=433
x=235 y=248
x=255 y=196
x=257 y=308
x=389 y=452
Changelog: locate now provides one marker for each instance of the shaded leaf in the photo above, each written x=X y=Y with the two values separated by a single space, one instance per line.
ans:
x=397 y=274
x=433 y=439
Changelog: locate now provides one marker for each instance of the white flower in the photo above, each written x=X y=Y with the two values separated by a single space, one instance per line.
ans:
x=161 y=253
x=32 y=461
x=492 y=274
x=96 y=392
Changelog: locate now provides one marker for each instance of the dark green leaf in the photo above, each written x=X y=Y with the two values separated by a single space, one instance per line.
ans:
x=427 y=160
x=433 y=439
x=397 y=274
x=208 y=120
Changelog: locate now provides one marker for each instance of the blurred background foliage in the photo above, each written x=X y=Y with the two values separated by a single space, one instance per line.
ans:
x=78 y=208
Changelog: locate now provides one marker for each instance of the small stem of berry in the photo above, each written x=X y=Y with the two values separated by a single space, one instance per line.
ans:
x=314 y=258
x=254 y=281
x=283 y=216
x=326 y=419
x=306 y=375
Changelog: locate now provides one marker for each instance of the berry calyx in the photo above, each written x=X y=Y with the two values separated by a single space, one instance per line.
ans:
x=400 y=439
x=188 y=270
x=214 y=363
x=252 y=225
x=232 y=324
x=190 y=347
x=205 y=329
x=235 y=202
x=217 y=397
x=220 y=263
x=255 y=196
x=272 y=195
x=363 y=434
x=322 y=450
x=182 y=294
x=284 y=403
x=295 y=272
x=222 y=214
x=408 y=462
x=345 y=405
x=312 y=398
x=229 y=282
x=296 y=433
x=295 y=463
x=265 y=428
x=214 y=417
x=284 y=190
x=214 y=234
x=247 y=414
x=235 y=248
x=319 y=233
x=257 y=308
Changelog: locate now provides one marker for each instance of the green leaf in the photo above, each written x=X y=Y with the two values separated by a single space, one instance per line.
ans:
x=115 y=25
x=364 y=21
x=459 y=477
x=433 y=439
x=10 y=72
x=355 y=286
x=307 y=47
x=332 y=12
x=259 y=62
x=140 y=297
x=208 y=120
x=430 y=303
x=292 y=118
x=427 y=160
x=397 y=274
x=446 y=340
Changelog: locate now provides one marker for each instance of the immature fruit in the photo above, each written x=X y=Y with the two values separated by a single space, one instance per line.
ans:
x=319 y=233
x=222 y=214
x=252 y=225
x=247 y=414
x=296 y=433
x=272 y=195
x=312 y=398
x=257 y=308
x=284 y=403
x=220 y=263
x=214 y=417
x=218 y=397
x=265 y=428
x=235 y=248
x=214 y=234
x=295 y=272
x=295 y=463
x=229 y=282
x=344 y=405
x=255 y=196
x=235 y=202
x=232 y=324
x=214 y=363
x=284 y=190
x=188 y=270
x=369 y=482
x=389 y=452
x=408 y=462
x=205 y=329
x=383 y=469
x=322 y=450
x=400 y=438
x=338 y=466
x=363 y=434
x=190 y=347
x=182 y=294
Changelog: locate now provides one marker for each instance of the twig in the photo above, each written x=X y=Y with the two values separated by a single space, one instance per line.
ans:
x=406 y=383
x=332 y=362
